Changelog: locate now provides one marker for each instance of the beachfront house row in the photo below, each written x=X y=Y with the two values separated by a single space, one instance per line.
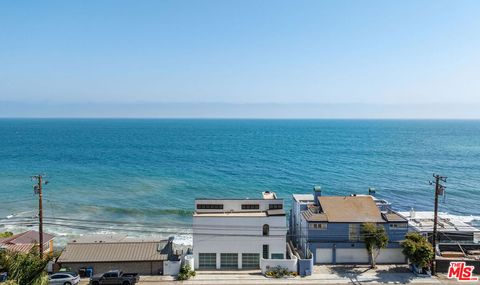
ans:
x=238 y=233
x=329 y=227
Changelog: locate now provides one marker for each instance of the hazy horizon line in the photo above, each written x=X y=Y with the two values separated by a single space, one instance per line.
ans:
x=211 y=110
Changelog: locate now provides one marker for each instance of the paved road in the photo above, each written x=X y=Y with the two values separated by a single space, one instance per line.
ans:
x=322 y=275
x=231 y=279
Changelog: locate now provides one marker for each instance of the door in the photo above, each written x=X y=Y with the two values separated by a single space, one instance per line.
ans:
x=207 y=260
x=391 y=256
x=351 y=255
x=324 y=255
x=229 y=260
x=109 y=279
x=250 y=260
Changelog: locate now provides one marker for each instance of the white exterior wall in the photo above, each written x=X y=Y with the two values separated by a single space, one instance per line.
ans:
x=269 y=264
x=171 y=268
x=235 y=205
x=188 y=260
x=238 y=234
x=290 y=262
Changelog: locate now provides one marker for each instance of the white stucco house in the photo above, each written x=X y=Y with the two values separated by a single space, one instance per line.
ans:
x=237 y=233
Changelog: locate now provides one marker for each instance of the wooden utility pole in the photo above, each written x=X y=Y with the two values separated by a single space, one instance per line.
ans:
x=38 y=190
x=439 y=189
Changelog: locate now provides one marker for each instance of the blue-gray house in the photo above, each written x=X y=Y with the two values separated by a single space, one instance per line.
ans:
x=329 y=227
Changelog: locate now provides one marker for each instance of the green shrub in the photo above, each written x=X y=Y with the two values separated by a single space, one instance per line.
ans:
x=418 y=250
x=185 y=273
x=279 y=272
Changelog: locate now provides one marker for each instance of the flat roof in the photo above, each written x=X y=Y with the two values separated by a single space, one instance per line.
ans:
x=230 y=214
x=423 y=221
x=267 y=213
x=303 y=197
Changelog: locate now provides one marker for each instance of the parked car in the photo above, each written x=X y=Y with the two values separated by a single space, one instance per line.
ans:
x=64 y=278
x=114 y=277
x=3 y=276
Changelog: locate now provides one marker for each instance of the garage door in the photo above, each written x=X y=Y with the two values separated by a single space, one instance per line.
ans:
x=207 y=260
x=323 y=255
x=250 y=260
x=351 y=255
x=229 y=260
x=391 y=255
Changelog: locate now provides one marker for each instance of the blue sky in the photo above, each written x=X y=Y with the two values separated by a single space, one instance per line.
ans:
x=238 y=52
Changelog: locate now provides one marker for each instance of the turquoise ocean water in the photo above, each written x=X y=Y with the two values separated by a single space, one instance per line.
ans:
x=141 y=176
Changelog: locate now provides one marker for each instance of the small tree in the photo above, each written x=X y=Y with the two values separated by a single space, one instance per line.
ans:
x=375 y=238
x=418 y=250
x=6 y=234
x=25 y=268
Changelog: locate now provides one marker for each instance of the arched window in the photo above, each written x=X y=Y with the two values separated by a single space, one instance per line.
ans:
x=266 y=230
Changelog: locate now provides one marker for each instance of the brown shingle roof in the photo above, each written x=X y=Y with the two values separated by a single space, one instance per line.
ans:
x=350 y=209
x=28 y=237
x=113 y=252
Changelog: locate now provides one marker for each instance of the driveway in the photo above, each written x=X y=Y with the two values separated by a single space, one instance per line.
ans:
x=364 y=274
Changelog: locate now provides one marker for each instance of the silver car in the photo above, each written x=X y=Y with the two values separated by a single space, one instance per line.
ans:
x=64 y=278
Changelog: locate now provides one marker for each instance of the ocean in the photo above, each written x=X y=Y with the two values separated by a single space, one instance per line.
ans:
x=140 y=176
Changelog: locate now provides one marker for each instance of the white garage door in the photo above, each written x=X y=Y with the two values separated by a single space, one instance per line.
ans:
x=323 y=255
x=352 y=255
x=391 y=255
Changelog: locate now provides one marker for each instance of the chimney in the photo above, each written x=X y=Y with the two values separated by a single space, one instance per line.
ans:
x=371 y=191
x=317 y=192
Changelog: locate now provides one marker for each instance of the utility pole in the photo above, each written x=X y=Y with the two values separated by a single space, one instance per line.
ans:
x=37 y=188
x=439 y=191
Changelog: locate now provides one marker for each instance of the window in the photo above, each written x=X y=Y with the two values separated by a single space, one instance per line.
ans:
x=318 y=226
x=210 y=206
x=110 y=275
x=266 y=230
x=277 y=255
x=275 y=206
x=229 y=260
x=250 y=206
x=398 y=226
x=207 y=260
x=250 y=260
x=59 y=276
x=354 y=232
x=265 y=251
